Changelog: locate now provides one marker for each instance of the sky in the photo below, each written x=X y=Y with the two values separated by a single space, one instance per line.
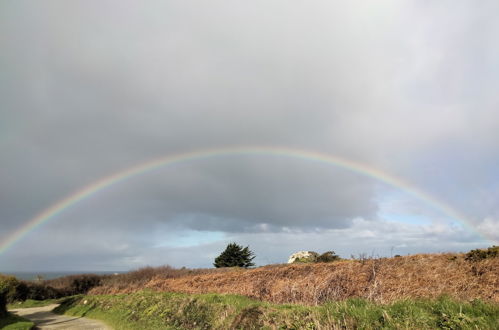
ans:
x=92 y=88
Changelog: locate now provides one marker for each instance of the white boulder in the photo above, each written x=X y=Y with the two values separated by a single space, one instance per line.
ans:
x=303 y=256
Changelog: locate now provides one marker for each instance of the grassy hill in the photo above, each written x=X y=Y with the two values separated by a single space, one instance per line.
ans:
x=382 y=280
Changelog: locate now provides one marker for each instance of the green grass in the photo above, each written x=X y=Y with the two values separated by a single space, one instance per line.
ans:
x=14 y=322
x=33 y=303
x=153 y=310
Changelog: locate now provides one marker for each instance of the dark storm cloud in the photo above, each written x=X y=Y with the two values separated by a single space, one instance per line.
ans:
x=90 y=88
x=92 y=101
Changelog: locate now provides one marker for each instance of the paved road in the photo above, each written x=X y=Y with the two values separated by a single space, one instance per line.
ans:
x=45 y=319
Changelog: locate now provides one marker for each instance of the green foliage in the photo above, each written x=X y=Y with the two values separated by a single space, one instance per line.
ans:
x=14 y=322
x=235 y=256
x=311 y=257
x=156 y=310
x=8 y=285
x=12 y=290
x=305 y=260
x=481 y=254
x=328 y=256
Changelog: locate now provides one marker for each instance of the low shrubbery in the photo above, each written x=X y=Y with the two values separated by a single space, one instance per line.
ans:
x=481 y=254
x=12 y=290
x=137 y=279
x=328 y=256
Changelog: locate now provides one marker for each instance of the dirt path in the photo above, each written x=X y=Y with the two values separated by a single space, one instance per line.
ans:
x=45 y=319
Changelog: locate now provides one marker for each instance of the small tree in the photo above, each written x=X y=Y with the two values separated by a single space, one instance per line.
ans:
x=235 y=256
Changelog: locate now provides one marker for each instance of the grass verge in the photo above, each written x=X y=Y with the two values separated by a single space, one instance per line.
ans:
x=33 y=303
x=160 y=310
x=14 y=322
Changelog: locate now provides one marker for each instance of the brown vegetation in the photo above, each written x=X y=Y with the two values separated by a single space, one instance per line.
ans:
x=382 y=280
x=141 y=277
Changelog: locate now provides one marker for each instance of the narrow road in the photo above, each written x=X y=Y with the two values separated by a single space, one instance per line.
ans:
x=45 y=319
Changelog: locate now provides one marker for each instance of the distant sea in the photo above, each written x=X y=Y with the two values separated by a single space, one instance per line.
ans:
x=31 y=276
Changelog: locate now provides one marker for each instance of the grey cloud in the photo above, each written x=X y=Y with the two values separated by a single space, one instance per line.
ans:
x=90 y=88
x=372 y=238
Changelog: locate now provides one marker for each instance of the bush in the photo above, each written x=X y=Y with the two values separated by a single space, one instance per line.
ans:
x=83 y=283
x=8 y=286
x=37 y=291
x=235 y=256
x=481 y=254
x=14 y=290
x=328 y=256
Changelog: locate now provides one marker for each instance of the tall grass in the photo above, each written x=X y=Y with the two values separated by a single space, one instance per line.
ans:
x=154 y=310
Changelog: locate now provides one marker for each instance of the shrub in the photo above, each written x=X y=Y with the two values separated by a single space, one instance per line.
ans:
x=83 y=283
x=481 y=254
x=328 y=256
x=11 y=290
x=37 y=291
x=235 y=256
x=8 y=286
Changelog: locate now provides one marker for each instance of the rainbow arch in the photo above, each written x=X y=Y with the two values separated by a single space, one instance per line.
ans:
x=93 y=188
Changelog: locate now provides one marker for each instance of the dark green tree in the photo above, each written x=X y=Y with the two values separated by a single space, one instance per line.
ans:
x=235 y=256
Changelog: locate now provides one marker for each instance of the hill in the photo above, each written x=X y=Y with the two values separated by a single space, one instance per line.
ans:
x=381 y=280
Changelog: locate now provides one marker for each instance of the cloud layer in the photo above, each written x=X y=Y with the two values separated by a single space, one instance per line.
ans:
x=91 y=88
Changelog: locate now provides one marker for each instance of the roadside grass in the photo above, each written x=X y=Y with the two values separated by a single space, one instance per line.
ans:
x=33 y=303
x=162 y=310
x=14 y=322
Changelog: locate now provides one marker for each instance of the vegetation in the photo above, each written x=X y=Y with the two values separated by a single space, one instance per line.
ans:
x=8 y=286
x=481 y=254
x=382 y=280
x=12 y=290
x=449 y=291
x=328 y=256
x=235 y=256
x=33 y=303
x=153 y=310
x=312 y=257
x=14 y=322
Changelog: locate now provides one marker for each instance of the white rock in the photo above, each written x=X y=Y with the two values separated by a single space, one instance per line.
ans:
x=304 y=256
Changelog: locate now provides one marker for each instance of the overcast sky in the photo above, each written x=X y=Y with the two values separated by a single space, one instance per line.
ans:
x=89 y=88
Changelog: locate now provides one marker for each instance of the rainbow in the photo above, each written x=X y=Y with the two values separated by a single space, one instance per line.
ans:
x=93 y=188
